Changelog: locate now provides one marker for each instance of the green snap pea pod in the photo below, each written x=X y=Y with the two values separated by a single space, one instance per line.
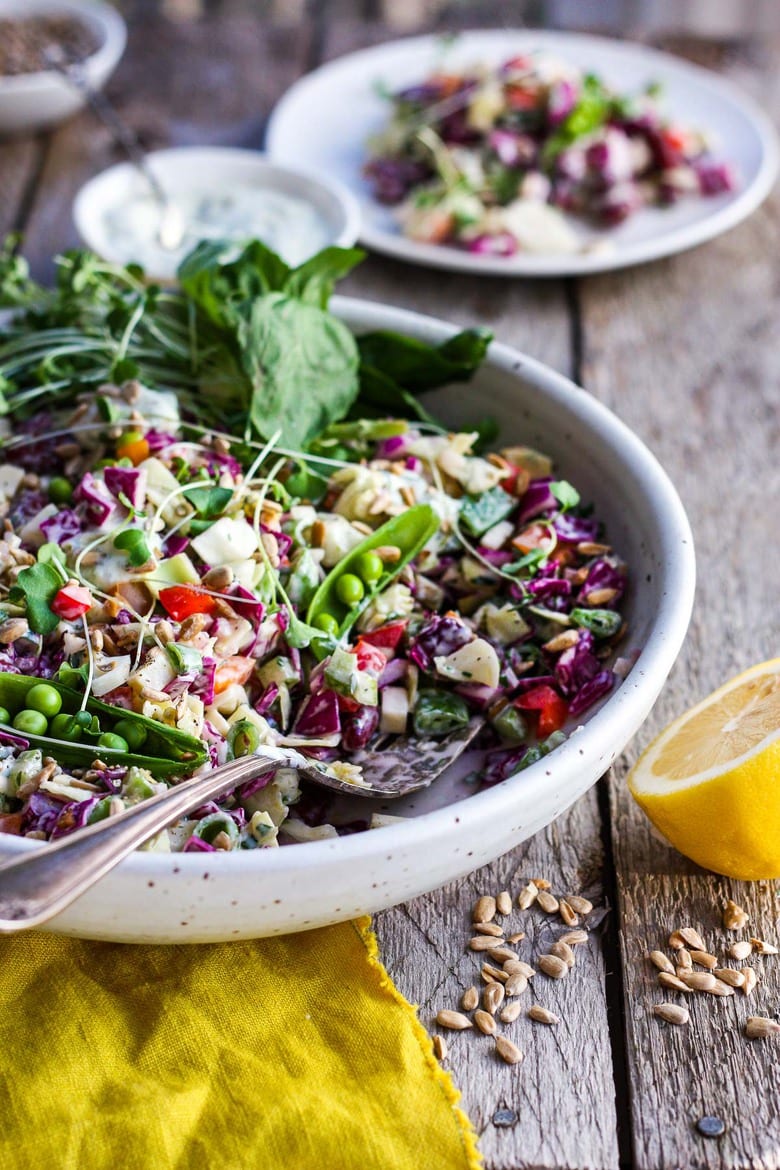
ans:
x=409 y=532
x=165 y=751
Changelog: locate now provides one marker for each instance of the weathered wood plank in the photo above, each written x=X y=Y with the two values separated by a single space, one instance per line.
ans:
x=683 y=351
x=19 y=162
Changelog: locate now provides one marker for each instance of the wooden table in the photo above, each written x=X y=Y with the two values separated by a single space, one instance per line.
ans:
x=685 y=351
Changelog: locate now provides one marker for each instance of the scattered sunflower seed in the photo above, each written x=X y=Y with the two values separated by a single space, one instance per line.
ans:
x=751 y=979
x=758 y=1027
x=567 y=914
x=734 y=917
x=527 y=896
x=541 y=883
x=469 y=999
x=552 y=966
x=491 y=928
x=484 y=909
x=672 y=981
x=659 y=960
x=515 y=938
x=719 y=988
x=516 y=984
x=692 y=938
x=547 y=902
x=481 y=942
x=508 y=1051
x=485 y=1022
x=740 y=950
x=574 y=937
x=518 y=967
x=580 y=905
x=440 y=1050
x=501 y=953
x=704 y=959
x=676 y=940
x=493 y=974
x=542 y=1015
x=510 y=1012
x=493 y=997
x=673 y=1013
x=504 y=902
x=685 y=959
x=730 y=976
x=563 y=951
x=763 y=948
x=456 y=1021
x=697 y=980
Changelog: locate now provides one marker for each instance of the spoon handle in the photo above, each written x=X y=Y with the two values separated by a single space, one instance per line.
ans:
x=36 y=886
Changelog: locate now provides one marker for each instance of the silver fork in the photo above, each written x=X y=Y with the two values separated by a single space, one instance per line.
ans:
x=38 y=885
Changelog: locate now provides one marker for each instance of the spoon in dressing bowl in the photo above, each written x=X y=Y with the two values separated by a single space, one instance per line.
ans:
x=171 y=228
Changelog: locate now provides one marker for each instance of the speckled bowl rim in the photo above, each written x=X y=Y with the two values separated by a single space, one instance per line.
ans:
x=106 y=55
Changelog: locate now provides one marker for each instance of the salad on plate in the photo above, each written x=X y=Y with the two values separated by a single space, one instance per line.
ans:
x=229 y=525
x=504 y=160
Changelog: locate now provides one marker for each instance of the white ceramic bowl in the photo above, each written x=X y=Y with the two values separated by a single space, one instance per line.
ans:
x=33 y=101
x=181 y=170
x=452 y=830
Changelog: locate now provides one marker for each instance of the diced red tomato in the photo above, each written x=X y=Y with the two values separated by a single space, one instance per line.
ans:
x=552 y=709
x=71 y=602
x=370 y=657
x=676 y=139
x=520 y=97
x=386 y=637
x=532 y=537
x=182 y=601
x=517 y=481
x=236 y=669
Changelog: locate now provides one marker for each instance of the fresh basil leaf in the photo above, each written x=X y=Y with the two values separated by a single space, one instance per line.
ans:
x=417 y=366
x=312 y=282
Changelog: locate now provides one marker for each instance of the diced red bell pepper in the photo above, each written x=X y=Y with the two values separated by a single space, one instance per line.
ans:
x=182 y=601
x=370 y=657
x=386 y=637
x=551 y=708
x=71 y=602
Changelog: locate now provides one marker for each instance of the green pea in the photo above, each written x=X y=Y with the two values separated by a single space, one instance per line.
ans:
x=134 y=733
x=327 y=623
x=369 y=567
x=45 y=699
x=66 y=727
x=5 y=715
x=109 y=740
x=60 y=490
x=349 y=589
x=31 y=722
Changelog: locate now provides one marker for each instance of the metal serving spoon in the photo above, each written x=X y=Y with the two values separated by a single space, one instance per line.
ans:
x=35 y=887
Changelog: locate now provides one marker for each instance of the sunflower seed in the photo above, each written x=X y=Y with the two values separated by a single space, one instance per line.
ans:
x=504 y=902
x=553 y=966
x=516 y=984
x=758 y=1027
x=508 y=1051
x=547 y=902
x=493 y=997
x=541 y=883
x=676 y=940
x=542 y=1015
x=692 y=938
x=740 y=950
x=510 y=1012
x=684 y=959
x=704 y=959
x=730 y=976
x=563 y=641
x=485 y=1022
x=763 y=948
x=484 y=909
x=469 y=999
x=673 y=1013
x=527 y=896
x=518 y=967
x=580 y=905
x=719 y=988
x=751 y=979
x=481 y=942
x=734 y=917
x=501 y=954
x=456 y=1021
x=491 y=928
x=574 y=937
x=659 y=960
x=567 y=914
x=515 y=938
x=563 y=951
x=672 y=982
x=440 y=1050
x=493 y=974
x=698 y=980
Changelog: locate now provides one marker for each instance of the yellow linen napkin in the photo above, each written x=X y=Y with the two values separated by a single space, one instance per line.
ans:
x=293 y=1052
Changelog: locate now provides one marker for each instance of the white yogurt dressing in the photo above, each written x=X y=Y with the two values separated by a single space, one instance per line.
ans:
x=290 y=226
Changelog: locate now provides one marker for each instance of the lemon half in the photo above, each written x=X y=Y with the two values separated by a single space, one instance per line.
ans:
x=711 y=781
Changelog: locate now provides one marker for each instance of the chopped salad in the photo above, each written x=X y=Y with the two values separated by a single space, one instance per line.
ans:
x=493 y=160
x=173 y=595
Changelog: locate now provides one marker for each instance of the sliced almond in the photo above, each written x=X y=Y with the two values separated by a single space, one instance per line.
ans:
x=484 y=909
x=504 y=902
x=547 y=902
x=751 y=979
x=563 y=951
x=508 y=1051
x=704 y=959
x=659 y=960
x=763 y=948
x=456 y=1021
x=740 y=950
x=485 y=1022
x=510 y=1011
x=734 y=917
x=672 y=982
x=542 y=1015
x=527 y=896
x=516 y=984
x=553 y=966
x=469 y=999
x=758 y=1027
x=493 y=997
x=673 y=1013
x=730 y=976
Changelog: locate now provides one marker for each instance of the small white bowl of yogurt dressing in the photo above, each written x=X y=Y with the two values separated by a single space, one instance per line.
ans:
x=220 y=193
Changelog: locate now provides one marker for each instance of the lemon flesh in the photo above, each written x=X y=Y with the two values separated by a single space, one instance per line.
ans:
x=710 y=783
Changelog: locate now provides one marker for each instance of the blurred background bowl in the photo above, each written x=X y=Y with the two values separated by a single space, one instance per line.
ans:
x=32 y=101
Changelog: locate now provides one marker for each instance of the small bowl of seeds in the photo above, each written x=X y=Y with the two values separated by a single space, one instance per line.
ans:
x=85 y=34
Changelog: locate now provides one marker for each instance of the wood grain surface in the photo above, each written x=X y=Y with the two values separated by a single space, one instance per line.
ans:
x=684 y=351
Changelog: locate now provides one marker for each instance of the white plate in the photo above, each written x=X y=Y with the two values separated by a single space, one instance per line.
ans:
x=451 y=830
x=325 y=119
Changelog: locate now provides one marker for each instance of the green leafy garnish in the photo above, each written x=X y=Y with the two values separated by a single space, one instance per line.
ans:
x=36 y=588
x=209 y=502
x=566 y=495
